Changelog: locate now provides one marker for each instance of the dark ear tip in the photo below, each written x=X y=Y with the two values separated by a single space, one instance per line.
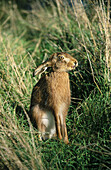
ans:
x=33 y=74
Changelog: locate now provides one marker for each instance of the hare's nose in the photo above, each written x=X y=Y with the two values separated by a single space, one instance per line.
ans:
x=75 y=63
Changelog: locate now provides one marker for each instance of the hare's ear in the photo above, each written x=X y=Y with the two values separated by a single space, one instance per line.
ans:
x=42 y=68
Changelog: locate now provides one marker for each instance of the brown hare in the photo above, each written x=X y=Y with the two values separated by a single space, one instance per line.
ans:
x=51 y=96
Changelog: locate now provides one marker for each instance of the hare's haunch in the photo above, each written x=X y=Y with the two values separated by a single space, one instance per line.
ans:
x=51 y=97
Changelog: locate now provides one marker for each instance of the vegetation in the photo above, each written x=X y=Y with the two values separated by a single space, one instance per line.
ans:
x=27 y=37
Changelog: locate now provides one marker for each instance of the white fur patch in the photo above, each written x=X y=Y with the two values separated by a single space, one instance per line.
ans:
x=67 y=60
x=48 y=121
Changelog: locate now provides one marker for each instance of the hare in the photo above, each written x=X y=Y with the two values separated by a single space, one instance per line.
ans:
x=51 y=96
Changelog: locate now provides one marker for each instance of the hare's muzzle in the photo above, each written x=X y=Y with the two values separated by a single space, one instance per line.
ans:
x=75 y=64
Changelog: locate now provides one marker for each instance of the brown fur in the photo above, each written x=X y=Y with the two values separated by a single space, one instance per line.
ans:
x=51 y=96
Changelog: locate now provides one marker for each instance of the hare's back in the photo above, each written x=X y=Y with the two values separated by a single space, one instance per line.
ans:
x=52 y=90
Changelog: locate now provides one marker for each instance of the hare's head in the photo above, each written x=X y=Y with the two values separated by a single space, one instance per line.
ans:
x=60 y=62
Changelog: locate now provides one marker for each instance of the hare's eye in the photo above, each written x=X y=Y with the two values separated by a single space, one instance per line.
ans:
x=61 y=57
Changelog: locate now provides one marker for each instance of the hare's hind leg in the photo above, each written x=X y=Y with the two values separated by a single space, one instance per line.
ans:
x=36 y=116
x=41 y=128
x=61 y=122
x=63 y=128
x=58 y=124
x=64 y=131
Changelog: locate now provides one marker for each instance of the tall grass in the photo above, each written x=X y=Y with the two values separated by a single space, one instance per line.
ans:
x=29 y=37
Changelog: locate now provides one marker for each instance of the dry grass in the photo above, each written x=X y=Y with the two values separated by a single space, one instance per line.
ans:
x=17 y=145
x=105 y=28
